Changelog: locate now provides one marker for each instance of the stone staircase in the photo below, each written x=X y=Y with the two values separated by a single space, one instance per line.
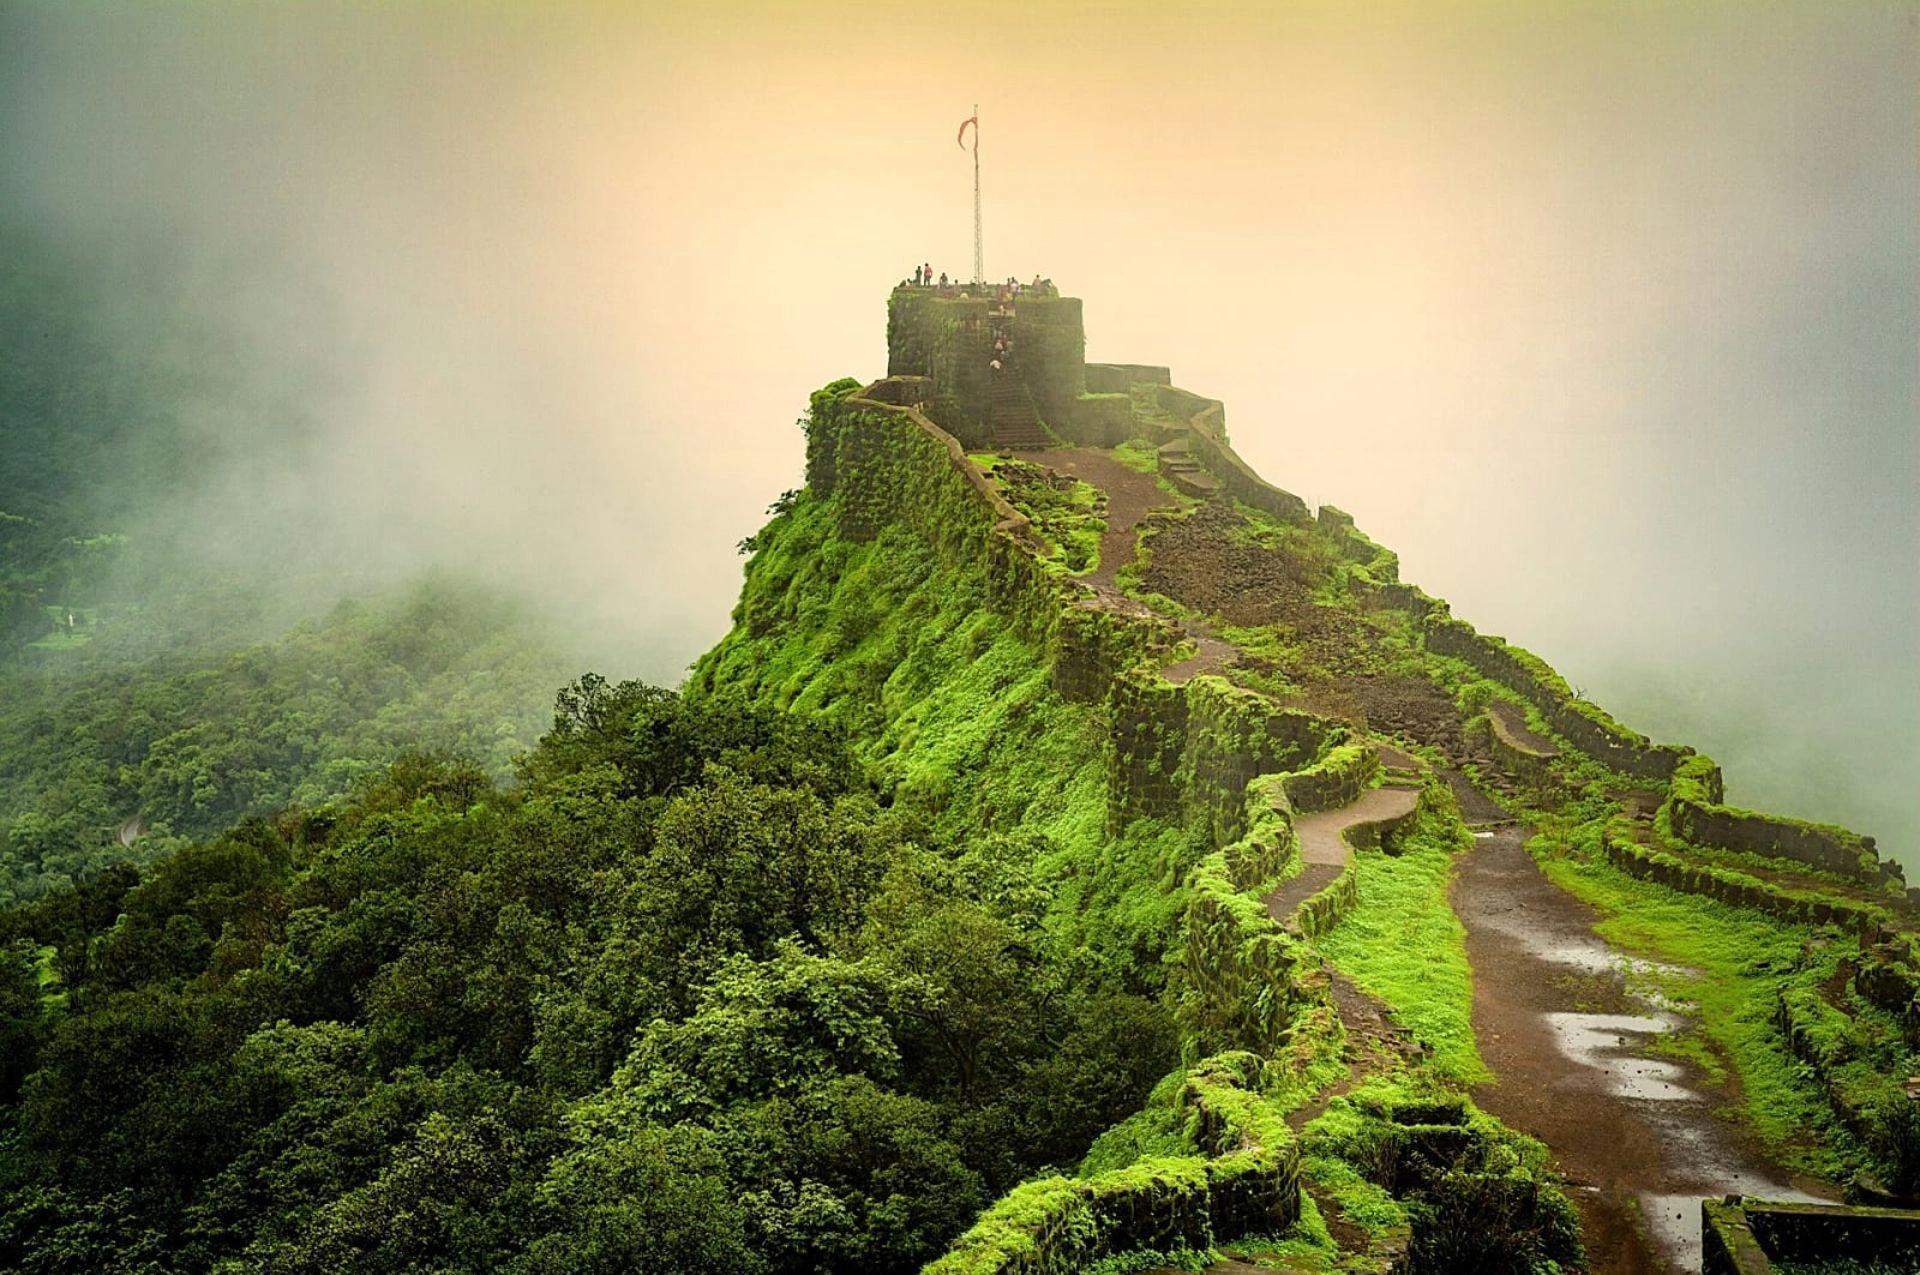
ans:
x=1010 y=413
x=1184 y=470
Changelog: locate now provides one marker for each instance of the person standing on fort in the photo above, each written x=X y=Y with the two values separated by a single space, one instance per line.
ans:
x=926 y=274
x=917 y=276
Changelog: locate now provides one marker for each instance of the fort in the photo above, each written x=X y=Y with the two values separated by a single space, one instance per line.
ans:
x=1262 y=677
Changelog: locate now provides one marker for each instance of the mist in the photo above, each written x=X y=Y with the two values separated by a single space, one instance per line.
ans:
x=1604 y=317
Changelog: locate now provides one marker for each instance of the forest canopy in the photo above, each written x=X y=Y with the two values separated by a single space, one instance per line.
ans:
x=686 y=995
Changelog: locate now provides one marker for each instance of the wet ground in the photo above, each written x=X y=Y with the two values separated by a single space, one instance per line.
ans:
x=1642 y=1138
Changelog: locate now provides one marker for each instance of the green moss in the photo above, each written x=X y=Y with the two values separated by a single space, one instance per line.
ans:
x=1403 y=943
x=1739 y=961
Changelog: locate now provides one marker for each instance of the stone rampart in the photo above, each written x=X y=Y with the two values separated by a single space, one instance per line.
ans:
x=1246 y=1181
x=1745 y=1236
x=1120 y=378
x=1694 y=813
x=1584 y=725
x=1738 y=888
x=1205 y=422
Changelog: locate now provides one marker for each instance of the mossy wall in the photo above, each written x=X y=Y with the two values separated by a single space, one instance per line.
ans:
x=1585 y=725
x=1119 y=378
x=1245 y=1179
x=1694 y=813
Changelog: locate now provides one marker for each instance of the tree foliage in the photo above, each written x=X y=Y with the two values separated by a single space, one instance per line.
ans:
x=687 y=995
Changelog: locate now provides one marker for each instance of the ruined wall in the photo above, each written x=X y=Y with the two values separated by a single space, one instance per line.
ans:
x=1585 y=725
x=1745 y=1236
x=1738 y=888
x=1245 y=1181
x=1694 y=813
x=1236 y=736
x=1206 y=425
x=1120 y=378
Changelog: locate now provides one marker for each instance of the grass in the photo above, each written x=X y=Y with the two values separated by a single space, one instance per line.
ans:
x=1067 y=518
x=954 y=711
x=1403 y=944
x=1736 y=962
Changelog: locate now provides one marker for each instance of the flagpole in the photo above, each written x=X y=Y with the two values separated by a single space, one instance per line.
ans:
x=979 y=249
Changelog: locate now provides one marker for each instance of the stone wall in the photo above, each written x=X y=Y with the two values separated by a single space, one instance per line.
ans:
x=1246 y=1181
x=1206 y=427
x=1120 y=378
x=1693 y=812
x=1530 y=765
x=1584 y=725
x=1050 y=353
x=1738 y=888
x=950 y=340
x=1148 y=740
x=1745 y=1236
x=1821 y=846
x=1097 y=420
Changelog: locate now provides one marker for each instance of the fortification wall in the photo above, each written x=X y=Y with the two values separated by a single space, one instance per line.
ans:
x=1745 y=1236
x=949 y=339
x=1738 y=888
x=1693 y=812
x=1584 y=725
x=1247 y=1181
x=1120 y=378
x=1205 y=422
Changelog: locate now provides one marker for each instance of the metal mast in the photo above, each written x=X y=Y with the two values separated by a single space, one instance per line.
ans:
x=979 y=248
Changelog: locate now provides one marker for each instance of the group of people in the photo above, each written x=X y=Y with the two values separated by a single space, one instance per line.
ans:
x=1005 y=293
x=1000 y=323
x=1003 y=296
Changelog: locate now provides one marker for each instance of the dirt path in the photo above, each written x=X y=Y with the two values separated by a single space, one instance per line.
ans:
x=1324 y=849
x=1638 y=1135
x=1131 y=496
x=1516 y=723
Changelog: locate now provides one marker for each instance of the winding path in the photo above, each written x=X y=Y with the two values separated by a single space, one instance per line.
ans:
x=1641 y=1137
x=1324 y=848
x=1574 y=1052
x=1131 y=496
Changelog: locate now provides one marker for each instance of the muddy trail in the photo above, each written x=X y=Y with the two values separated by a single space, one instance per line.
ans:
x=1641 y=1137
x=1131 y=497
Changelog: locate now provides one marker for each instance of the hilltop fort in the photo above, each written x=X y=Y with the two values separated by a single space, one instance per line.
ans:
x=1056 y=603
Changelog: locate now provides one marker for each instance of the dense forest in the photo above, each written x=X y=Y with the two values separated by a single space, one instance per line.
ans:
x=96 y=747
x=151 y=689
x=686 y=996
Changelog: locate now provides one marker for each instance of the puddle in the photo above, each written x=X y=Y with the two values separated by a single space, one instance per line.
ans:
x=1673 y=1219
x=1570 y=1026
x=1604 y=1044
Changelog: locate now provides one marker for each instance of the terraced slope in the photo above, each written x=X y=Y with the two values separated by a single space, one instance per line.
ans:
x=1191 y=701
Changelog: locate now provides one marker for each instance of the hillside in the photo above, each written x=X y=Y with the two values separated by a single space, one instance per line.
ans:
x=1125 y=637
x=163 y=674
x=1080 y=854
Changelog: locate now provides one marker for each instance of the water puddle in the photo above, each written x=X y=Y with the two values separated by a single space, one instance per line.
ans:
x=1578 y=1034
x=1605 y=1043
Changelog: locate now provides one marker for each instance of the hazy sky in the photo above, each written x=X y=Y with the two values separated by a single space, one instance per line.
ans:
x=1604 y=316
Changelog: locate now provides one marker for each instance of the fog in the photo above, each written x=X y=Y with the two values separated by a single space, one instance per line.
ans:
x=1603 y=316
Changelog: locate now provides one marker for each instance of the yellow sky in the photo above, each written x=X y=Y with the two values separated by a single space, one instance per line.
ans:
x=1603 y=315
